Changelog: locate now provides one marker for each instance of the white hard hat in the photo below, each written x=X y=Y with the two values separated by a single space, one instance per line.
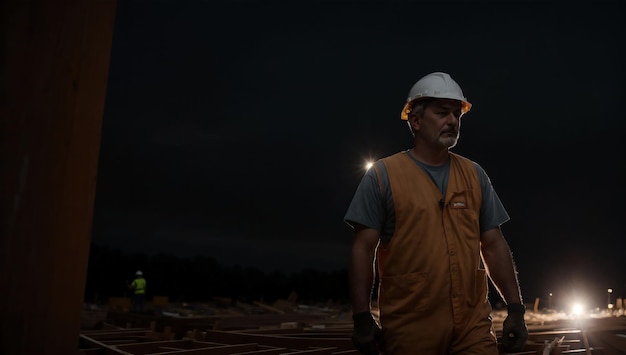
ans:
x=139 y=273
x=436 y=85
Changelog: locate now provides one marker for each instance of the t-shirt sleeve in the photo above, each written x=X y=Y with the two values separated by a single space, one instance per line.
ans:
x=492 y=211
x=366 y=207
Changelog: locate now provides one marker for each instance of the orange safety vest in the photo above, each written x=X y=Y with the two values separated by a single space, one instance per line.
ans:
x=433 y=288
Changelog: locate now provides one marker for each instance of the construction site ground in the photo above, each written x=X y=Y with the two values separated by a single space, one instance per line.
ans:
x=224 y=326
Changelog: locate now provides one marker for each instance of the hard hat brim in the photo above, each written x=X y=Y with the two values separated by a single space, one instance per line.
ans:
x=404 y=115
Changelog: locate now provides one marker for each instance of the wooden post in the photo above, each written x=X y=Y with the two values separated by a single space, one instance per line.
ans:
x=53 y=74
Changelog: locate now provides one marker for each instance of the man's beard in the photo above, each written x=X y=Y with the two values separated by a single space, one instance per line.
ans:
x=449 y=141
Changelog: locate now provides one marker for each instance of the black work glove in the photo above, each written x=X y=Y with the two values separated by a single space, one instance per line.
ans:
x=514 y=331
x=367 y=335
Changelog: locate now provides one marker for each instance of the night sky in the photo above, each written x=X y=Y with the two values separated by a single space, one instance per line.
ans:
x=240 y=129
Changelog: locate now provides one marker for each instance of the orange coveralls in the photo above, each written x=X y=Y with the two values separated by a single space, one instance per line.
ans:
x=433 y=290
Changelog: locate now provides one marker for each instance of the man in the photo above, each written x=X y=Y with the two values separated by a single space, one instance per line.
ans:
x=138 y=287
x=431 y=220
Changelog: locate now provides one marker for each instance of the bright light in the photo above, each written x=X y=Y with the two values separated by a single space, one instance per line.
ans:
x=610 y=290
x=368 y=165
x=577 y=309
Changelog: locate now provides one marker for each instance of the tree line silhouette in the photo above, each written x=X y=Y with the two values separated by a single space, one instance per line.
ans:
x=202 y=278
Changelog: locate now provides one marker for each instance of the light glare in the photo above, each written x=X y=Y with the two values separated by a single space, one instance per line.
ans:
x=577 y=309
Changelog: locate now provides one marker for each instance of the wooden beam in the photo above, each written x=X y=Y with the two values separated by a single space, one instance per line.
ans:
x=53 y=76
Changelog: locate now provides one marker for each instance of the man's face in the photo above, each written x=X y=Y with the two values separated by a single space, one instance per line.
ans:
x=440 y=123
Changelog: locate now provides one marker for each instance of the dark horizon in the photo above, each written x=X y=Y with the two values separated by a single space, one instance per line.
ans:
x=202 y=279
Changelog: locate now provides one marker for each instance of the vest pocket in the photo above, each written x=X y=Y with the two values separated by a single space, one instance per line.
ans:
x=464 y=213
x=406 y=293
x=479 y=293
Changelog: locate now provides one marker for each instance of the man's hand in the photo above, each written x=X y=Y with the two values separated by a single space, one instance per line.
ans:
x=514 y=331
x=367 y=335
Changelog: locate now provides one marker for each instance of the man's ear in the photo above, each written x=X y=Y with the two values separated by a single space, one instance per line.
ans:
x=414 y=122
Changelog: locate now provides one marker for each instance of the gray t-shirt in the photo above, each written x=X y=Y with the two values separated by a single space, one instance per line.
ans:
x=374 y=208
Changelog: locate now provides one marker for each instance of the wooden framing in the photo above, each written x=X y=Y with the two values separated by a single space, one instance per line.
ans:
x=303 y=340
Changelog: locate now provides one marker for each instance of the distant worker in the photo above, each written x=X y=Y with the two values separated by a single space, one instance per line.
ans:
x=433 y=220
x=138 y=287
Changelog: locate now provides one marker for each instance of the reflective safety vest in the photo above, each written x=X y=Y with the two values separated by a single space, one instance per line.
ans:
x=139 y=286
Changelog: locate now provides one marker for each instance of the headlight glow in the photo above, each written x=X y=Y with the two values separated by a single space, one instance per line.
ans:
x=577 y=309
